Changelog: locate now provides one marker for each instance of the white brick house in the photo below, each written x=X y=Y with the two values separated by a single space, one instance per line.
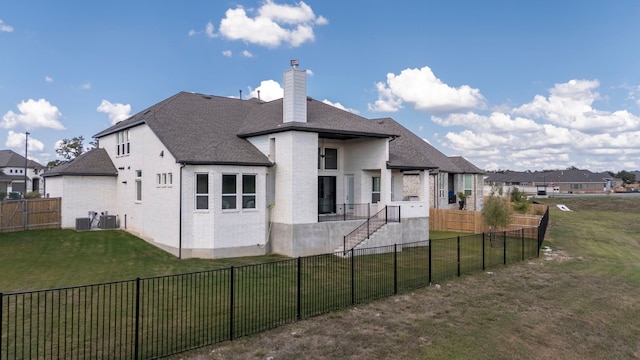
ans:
x=208 y=176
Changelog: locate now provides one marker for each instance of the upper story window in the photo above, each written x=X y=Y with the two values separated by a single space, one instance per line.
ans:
x=328 y=158
x=122 y=145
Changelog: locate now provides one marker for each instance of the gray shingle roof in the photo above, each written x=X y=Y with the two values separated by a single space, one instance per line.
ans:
x=554 y=176
x=199 y=129
x=327 y=120
x=410 y=152
x=95 y=162
x=204 y=129
x=9 y=158
x=465 y=165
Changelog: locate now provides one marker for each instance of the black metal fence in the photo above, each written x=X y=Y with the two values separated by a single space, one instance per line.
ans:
x=343 y=212
x=160 y=316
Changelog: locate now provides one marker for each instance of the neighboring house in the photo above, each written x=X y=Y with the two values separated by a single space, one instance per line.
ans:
x=209 y=176
x=556 y=181
x=12 y=173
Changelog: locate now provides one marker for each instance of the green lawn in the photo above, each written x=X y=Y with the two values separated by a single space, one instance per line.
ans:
x=266 y=292
x=42 y=259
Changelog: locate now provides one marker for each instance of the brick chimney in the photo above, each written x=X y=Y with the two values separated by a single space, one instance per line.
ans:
x=294 y=104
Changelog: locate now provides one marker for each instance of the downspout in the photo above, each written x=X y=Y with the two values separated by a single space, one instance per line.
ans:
x=180 y=215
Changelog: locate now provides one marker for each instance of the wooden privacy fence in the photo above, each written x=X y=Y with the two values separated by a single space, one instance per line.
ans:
x=472 y=221
x=30 y=214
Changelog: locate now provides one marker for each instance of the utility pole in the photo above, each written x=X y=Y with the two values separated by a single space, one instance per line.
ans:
x=26 y=163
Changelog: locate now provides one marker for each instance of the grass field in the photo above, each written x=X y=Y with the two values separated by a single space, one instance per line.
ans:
x=265 y=292
x=581 y=300
x=43 y=259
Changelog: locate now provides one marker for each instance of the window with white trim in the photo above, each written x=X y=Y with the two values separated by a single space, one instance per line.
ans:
x=248 y=191
x=468 y=184
x=122 y=147
x=229 y=191
x=442 y=182
x=375 y=189
x=202 y=191
x=138 y=185
x=328 y=158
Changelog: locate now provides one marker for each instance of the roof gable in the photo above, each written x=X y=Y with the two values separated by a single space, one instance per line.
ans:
x=9 y=158
x=95 y=162
x=408 y=151
x=199 y=129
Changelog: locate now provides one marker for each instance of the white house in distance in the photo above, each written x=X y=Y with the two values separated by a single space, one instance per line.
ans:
x=209 y=176
x=13 y=176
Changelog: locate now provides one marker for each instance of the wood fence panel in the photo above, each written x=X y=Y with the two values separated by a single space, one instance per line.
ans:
x=472 y=221
x=39 y=214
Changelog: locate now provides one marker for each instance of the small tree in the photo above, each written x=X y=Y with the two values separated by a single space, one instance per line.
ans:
x=72 y=148
x=497 y=214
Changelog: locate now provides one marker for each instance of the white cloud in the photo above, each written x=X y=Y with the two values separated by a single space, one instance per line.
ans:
x=556 y=131
x=247 y=54
x=340 y=106
x=192 y=32
x=4 y=27
x=269 y=90
x=227 y=53
x=48 y=79
x=86 y=86
x=273 y=24
x=33 y=114
x=116 y=112
x=210 y=30
x=570 y=105
x=16 y=140
x=422 y=89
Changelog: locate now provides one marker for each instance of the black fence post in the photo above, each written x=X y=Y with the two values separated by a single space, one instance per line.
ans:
x=430 y=245
x=353 y=278
x=344 y=245
x=458 y=255
x=231 y=301
x=1 y=307
x=522 y=235
x=137 y=329
x=386 y=214
x=395 y=268
x=368 y=231
x=504 y=247
x=483 y=264
x=299 y=300
x=344 y=212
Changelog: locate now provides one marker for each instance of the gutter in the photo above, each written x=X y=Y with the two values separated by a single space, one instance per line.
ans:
x=182 y=165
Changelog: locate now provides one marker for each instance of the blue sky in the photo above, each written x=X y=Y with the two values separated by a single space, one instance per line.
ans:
x=507 y=84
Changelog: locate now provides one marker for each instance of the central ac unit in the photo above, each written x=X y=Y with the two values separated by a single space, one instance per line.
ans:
x=108 y=222
x=83 y=224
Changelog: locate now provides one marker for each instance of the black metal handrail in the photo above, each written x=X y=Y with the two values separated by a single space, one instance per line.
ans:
x=366 y=229
x=343 y=212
